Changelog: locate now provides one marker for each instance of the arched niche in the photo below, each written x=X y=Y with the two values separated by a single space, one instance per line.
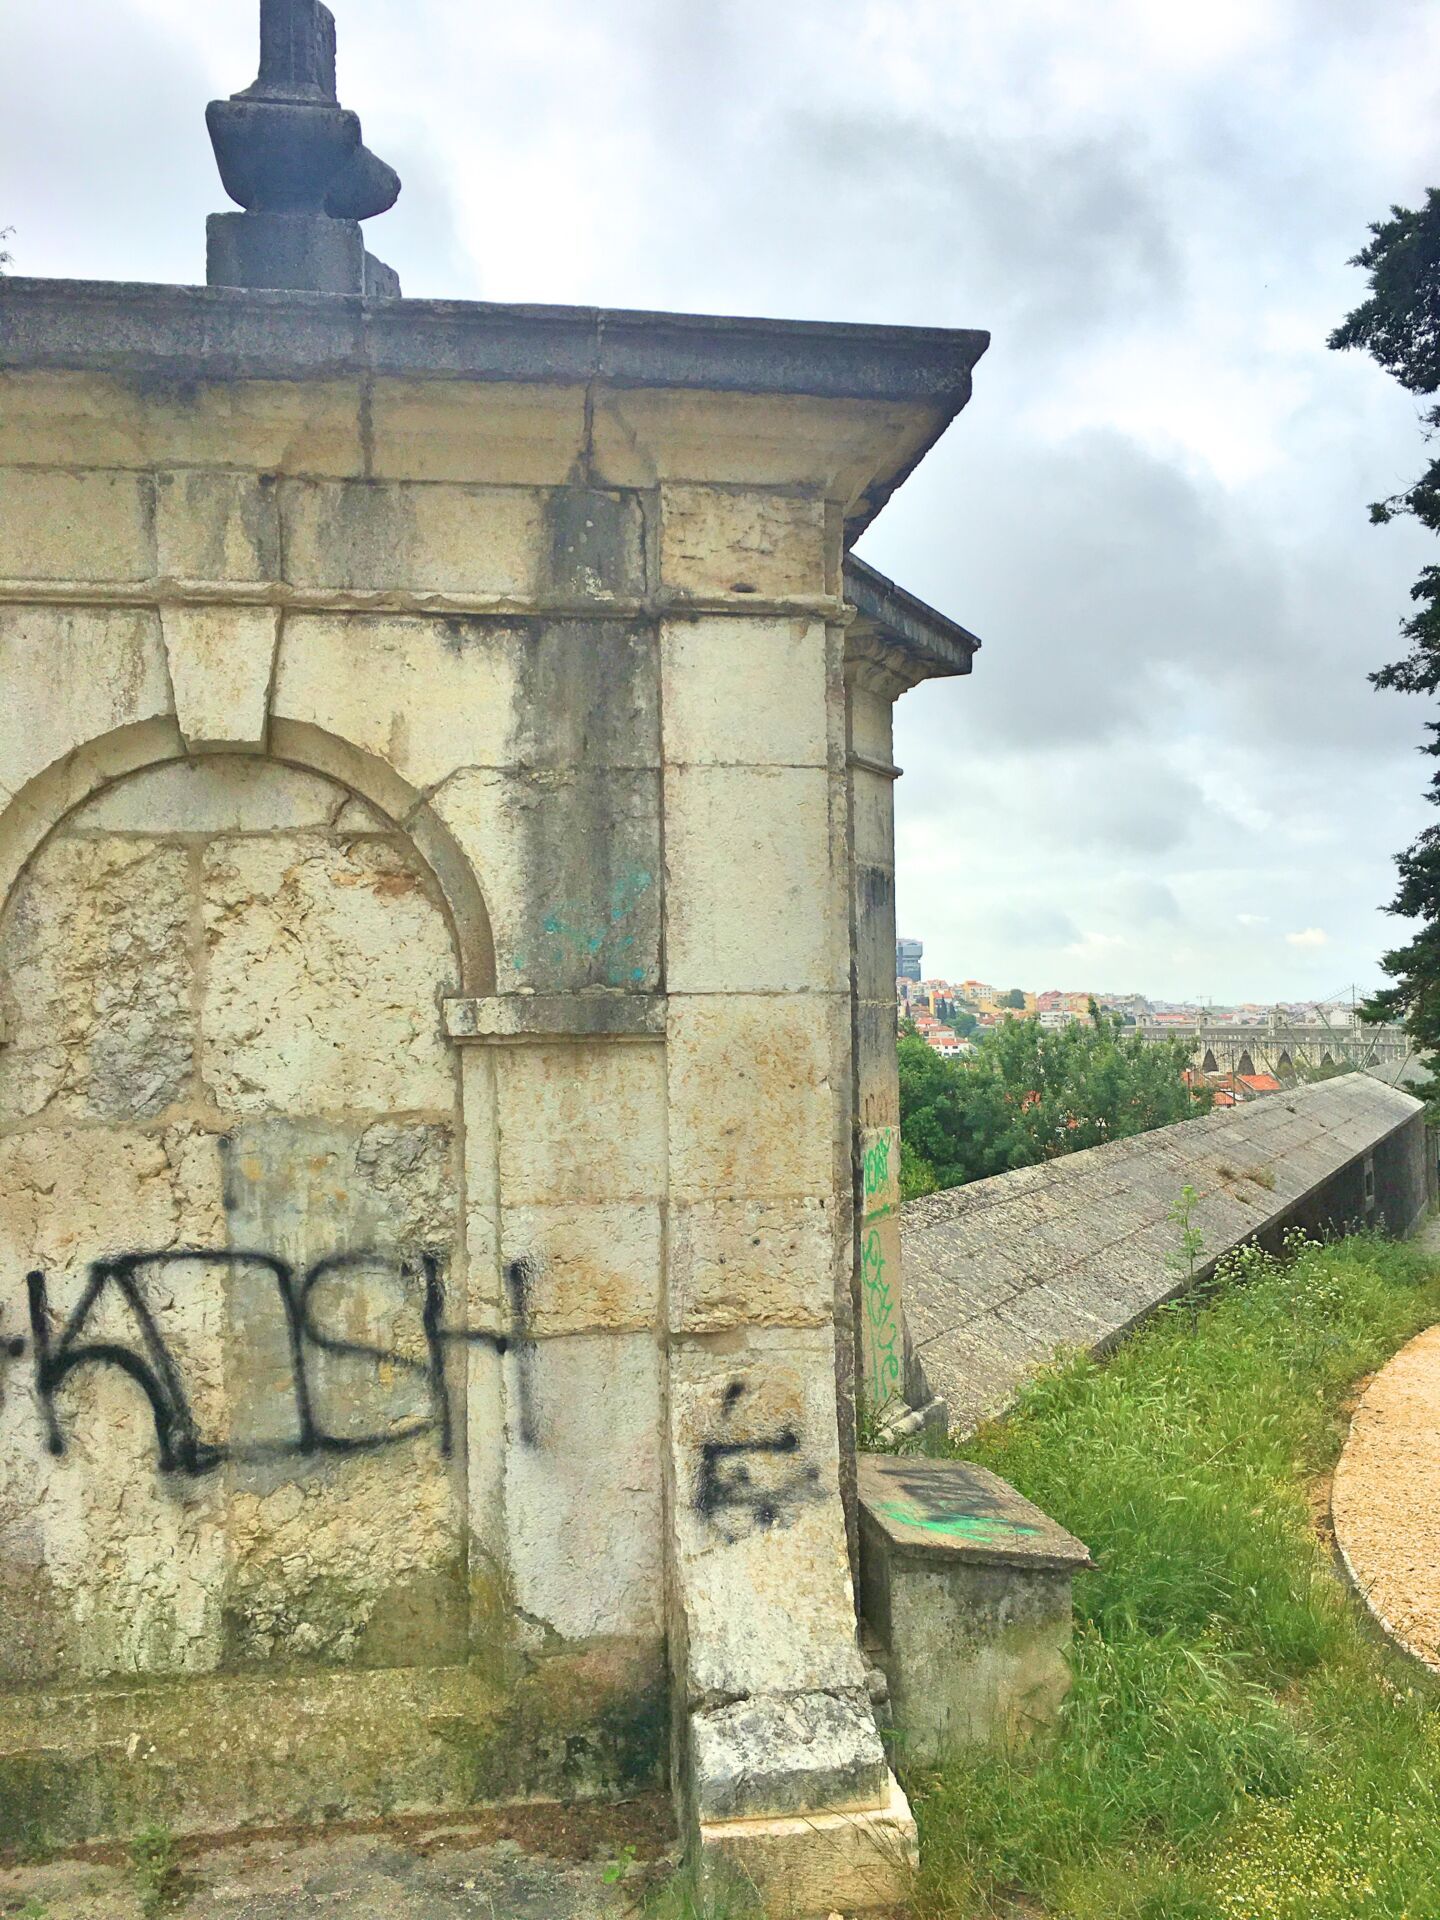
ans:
x=231 y=1151
x=39 y=807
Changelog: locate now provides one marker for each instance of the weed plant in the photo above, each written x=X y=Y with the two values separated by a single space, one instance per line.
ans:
x=1239 y=1744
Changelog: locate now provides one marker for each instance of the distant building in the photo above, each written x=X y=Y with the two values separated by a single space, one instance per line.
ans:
x=908 y=955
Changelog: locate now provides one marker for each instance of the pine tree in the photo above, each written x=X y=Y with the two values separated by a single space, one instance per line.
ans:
x=1399 y=327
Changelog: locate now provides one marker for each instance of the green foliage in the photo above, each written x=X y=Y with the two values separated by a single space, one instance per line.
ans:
x=156 y=1863
x=1015 y=998
x=1030 y=1094
x=1399 y=327
x=1238 y=1745
x=616 y=1869
x=962 y=1022
x=1186 y=1258
x=684 y=1898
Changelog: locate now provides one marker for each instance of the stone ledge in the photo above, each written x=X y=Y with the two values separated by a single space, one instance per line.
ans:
x=232 y=333
x=776 y=1755
x=497 y=1018
x=949 y=1510
x=966 y=1590
x=811 y=1866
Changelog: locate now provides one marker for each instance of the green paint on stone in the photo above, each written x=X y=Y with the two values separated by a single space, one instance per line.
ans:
x=985 y=1529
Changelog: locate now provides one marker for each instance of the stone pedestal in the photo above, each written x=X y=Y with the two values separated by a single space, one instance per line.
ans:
x=308 y=252
x=966 y=1587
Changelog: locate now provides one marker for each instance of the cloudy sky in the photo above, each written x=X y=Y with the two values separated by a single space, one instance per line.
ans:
x=1167 y=771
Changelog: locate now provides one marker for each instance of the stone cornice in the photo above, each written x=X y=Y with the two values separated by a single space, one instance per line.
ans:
x=225 y=332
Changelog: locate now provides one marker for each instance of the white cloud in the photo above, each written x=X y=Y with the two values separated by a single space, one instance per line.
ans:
x=1153 y=511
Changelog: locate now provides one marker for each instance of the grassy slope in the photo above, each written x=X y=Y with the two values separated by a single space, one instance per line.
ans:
x=1238 y=1746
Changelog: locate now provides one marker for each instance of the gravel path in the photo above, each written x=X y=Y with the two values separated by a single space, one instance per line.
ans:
x=1386 y=1497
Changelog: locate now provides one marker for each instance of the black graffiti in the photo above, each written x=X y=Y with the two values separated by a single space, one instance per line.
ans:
x=732 y=1490
x=154 y=1369
x=519 y=1284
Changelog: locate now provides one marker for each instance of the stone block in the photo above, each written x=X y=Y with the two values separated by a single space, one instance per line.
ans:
x=459 y=692
x=110 y=662
x=873 y=819
x=223 y=794
x=76 y=526
x=569 y=863
x=106 y=1567
x=751 y=1263
x=729 y=542
x=596 y=545
x=753 y=1087
x=783 y=440
x=435 y=694
x=583 y=1484
x=966 y=1586
x=589 y=695
x=99 y=982
x=804 y=1753
x=812 y=1866
x=744 y=692
x=221 y=660
x=589 y=1267
x=325 y=964
x=748 y=848
x=376 y=536
x=762 y=1570
x=872 y=720
x=476 y=432
x=581 y=1121
x=214 y=526
x=881 y=1359
x=305 y=251
x=260 y=426
x=874 y=959
x=597 y=1014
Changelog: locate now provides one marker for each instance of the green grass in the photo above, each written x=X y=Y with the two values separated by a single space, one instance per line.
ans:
x=1238 y=1745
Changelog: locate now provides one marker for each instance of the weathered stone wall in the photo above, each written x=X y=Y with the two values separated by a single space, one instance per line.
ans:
x=425 y=1098
x=435 y=1089
x=1005 y=1273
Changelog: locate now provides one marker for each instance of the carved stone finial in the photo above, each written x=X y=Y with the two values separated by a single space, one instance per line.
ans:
x=289 y=152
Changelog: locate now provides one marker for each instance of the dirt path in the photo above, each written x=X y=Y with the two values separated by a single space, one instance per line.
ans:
x=1386 y=1496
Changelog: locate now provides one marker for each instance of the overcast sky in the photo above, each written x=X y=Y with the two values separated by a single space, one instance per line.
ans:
x=1168 y=771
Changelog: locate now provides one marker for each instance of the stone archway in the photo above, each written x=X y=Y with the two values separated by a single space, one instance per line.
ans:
x=230 y=1164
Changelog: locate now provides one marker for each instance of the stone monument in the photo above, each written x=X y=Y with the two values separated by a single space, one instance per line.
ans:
x=447 y=1072
x=292 y=157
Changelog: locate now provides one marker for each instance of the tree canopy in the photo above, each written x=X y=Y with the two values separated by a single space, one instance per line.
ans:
x=1399 y=327
x=1031 y=1094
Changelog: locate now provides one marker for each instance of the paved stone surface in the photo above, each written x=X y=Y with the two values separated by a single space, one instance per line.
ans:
x=549 y=1866
x=1003 y=1274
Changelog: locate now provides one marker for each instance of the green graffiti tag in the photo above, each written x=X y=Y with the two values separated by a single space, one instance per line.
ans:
x=568 y=934
x=876 y=1169
x=981 y=1529
x=882 y=1325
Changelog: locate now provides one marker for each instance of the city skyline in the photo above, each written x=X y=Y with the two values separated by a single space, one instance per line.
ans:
x=1351 y=992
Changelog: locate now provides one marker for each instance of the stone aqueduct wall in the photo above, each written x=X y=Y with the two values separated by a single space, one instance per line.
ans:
x=1003 y=1274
